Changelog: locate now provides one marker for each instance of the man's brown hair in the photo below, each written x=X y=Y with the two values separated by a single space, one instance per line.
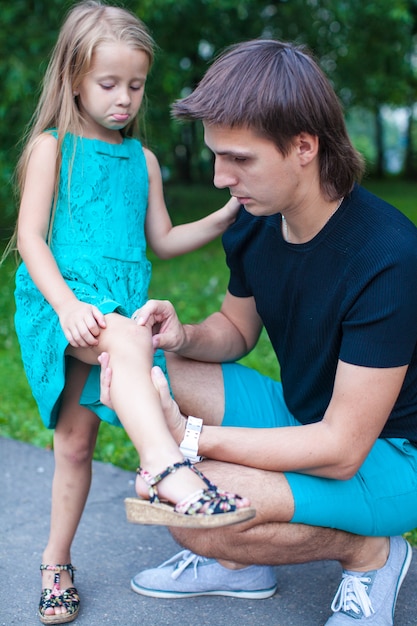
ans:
x=277 y=90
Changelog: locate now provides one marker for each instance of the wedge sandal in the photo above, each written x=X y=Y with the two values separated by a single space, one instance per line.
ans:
x=206 y=508
x=51 y=598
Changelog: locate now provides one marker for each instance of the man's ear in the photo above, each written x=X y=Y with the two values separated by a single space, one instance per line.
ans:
x=307 y=147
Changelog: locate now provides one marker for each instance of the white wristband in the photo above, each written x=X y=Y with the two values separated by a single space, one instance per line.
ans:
x=189 y=445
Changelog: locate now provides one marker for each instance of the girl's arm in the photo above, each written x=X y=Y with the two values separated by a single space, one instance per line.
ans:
x=80 y=322
x=167 y=240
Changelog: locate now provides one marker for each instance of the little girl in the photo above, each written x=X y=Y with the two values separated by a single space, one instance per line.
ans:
x=89 y=192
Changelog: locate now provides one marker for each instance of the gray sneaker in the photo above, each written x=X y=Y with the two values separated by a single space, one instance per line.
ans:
x=370 y=597
x=187 y=574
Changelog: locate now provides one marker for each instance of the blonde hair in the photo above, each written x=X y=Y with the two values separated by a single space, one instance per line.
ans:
x=87 y=25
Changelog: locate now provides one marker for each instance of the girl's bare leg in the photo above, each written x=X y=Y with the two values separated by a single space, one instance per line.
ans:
x=138 y=406
x=74 y=441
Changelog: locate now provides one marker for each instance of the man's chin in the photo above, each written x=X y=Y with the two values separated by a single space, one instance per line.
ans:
x=259 y=210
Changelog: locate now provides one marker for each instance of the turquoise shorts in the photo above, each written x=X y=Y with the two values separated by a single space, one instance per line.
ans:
x=380 y=500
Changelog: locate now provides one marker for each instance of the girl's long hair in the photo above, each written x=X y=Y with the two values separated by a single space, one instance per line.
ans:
x=87 y=25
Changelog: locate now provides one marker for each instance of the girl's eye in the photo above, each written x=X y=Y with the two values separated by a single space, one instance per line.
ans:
x=106 y=86
x=136 y=87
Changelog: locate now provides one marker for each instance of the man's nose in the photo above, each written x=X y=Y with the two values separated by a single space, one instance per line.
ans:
x=223 y=175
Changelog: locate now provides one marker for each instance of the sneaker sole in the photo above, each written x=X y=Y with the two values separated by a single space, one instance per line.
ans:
x=143 y=512
x=405 y=568
x=260 y=594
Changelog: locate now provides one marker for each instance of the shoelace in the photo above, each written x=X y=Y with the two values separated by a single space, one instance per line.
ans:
x=352 y=596
x=183 y=560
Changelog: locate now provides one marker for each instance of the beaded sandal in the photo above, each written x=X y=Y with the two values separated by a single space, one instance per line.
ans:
x=206 y=508
x=54 y=597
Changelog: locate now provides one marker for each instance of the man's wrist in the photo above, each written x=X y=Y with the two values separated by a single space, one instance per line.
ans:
x=182 y=349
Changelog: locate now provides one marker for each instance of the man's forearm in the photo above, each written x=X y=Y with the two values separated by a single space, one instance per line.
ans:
x=215 y=340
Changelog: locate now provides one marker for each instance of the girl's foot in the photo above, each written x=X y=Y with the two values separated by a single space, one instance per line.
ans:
x=206 y=508
x=59 y=602
x=189 y=491
x=175 y=487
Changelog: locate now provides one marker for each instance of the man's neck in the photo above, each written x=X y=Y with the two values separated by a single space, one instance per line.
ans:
x=304 y=223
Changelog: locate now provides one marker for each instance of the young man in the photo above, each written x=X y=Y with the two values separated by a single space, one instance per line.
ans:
x=328 y=458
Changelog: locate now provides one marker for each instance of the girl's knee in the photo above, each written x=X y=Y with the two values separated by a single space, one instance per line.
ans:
x=124 y=335
x=75 y=439
x=73 y=449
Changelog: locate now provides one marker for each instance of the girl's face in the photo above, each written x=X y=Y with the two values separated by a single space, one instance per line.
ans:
x=110 y=95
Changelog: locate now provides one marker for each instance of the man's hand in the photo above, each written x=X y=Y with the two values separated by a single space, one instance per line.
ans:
x=160 y=316
x=105 y=379
x=175 y=419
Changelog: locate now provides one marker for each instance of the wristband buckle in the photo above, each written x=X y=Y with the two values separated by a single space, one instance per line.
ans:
x=189 y=445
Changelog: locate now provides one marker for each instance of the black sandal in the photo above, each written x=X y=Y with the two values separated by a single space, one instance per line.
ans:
x=51 y=598
x=219 y=507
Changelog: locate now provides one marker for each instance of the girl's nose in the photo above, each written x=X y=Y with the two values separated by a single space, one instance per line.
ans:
x=124 y=97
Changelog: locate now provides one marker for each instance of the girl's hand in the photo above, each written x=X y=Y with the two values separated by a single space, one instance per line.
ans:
x=81 y=323
x=232 y=208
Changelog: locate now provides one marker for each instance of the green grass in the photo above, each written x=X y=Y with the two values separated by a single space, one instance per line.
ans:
x=195 y=283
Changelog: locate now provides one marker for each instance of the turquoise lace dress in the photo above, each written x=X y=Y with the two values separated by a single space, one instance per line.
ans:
x=98 y=241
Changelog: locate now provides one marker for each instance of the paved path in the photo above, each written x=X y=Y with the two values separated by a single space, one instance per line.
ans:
x=108 y=551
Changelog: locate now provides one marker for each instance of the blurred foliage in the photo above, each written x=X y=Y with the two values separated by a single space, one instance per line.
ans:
x=345 y=36
x=367 y=49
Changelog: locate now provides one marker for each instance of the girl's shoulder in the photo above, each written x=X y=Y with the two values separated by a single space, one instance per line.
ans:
x=151 y=159
x=44 y=142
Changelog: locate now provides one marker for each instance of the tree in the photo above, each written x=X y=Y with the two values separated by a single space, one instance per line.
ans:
x=410 y=165
x=368 y=50
x=370 y=57
x=27 y=34
x=189 y=33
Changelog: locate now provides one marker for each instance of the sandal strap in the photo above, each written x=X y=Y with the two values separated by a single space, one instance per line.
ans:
x=68 y=567
x=213 y=500
x=68 y=598
x=152 y=481
x=57 y=597
x=49 y=600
